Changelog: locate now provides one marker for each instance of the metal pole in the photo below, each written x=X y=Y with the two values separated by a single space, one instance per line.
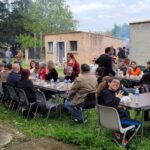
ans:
x=34 y=45
x=41 y=38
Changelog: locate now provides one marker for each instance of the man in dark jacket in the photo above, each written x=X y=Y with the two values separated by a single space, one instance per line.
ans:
x=105 y=60
x=14 y=76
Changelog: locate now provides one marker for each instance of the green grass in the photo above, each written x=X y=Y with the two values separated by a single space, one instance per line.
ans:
x=63 y=129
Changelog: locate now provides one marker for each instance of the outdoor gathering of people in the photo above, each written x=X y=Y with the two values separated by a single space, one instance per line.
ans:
x=105 y=78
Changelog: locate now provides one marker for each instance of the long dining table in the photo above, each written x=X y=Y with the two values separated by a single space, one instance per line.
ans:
x=142 y=103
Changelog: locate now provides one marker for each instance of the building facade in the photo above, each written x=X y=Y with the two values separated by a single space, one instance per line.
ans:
x=84 y=45
x=140 y=42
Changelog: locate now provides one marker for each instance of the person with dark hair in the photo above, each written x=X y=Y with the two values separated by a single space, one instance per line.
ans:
x=99 y=74
x=111 y=96
x=32 y=67
x=134 y=70
x=105 y=60
x=27 y=85
x=147 y=70
x=71 y=69
x=82 y=86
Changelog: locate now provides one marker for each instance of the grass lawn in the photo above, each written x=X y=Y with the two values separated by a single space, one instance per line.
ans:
x=63 y=129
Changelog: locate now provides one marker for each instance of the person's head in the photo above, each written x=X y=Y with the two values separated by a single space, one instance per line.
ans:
x=25 y=74
x=133 y=64
x=99 y=72
x=42 y=65
x=114 y=84
x=108 y=50
x=70 y=56
x=8 y=67
x=32 y=64
x=148 y=64
x=16 y=68
x=50 y=65
x=85 y=68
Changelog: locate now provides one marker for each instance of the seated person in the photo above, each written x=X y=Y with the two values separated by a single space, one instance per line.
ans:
x=51 y=72
x=99 y=74
x=111 y=97
x=32 y=67
x=27 y=85
x=147 y=70
x=14 y=75
x=42 y=70
x=133 y=70
x=82 y=86
x=123 y=68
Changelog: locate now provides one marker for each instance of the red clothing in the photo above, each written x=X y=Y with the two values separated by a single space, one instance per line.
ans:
x=134 y=72
x=42 y=73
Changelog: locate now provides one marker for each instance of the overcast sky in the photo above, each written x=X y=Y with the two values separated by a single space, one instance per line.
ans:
x=101 y=15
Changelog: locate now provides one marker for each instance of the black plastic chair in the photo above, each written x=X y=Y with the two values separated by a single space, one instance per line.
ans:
x=24 y=102
x=89 y=103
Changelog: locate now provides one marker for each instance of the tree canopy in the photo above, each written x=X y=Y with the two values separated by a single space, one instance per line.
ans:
x=22 y=18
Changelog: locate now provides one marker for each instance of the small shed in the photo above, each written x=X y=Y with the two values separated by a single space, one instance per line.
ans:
x=84 y=45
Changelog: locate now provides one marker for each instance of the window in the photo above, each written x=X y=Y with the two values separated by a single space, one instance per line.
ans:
x=73 y=45
x=50 y=46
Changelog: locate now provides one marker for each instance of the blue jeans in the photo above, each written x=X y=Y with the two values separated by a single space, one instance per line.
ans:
x=76 y=114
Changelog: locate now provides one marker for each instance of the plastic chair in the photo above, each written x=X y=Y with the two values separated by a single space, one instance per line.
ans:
x=24 y=102
x=13 y=96
x=42 y=102
x=108 y=118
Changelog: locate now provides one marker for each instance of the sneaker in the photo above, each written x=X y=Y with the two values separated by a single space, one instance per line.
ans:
x=125 y=142
x=79 y=121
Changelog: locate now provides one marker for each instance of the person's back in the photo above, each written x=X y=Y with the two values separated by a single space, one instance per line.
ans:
x=14 y=75
x=106 y=61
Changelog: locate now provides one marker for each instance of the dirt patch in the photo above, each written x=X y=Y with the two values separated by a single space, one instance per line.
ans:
x=22 y=142
x=45 y=143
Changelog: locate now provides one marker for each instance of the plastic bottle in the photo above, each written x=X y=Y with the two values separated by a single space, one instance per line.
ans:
x=137 y=92
x=69 y=82
x=118 y=72
x=66 y=83
x=57 y=82
x=52 y=83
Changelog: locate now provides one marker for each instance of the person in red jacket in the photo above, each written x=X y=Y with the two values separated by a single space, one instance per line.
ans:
x=72 y=68
x=42 y=70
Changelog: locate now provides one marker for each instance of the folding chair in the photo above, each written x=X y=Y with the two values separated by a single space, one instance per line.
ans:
x=108 y=118
x=90 y=102
x=42 y=102
x=13 y=96
x=24 y=102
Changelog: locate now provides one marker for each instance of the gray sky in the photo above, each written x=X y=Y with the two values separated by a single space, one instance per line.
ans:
x=101 y=15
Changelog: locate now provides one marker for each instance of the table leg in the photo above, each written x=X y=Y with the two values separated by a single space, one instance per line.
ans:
x=142 y=126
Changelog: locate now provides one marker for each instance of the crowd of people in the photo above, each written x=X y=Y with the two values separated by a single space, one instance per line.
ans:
x=102 y=78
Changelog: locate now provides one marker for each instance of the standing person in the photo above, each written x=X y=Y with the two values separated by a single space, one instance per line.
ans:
x=32 y=67
x=8 y=55
x=71 y=69
x=51 y=71
x=121 y=55
x=19 y=56
x=105 y=60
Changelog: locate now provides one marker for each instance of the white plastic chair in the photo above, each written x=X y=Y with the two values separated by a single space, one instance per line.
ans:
x=108 y=118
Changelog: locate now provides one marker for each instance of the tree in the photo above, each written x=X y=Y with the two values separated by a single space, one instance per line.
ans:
x=50 y=16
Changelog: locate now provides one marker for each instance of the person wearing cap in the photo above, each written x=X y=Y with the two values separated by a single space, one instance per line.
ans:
x=82 y=86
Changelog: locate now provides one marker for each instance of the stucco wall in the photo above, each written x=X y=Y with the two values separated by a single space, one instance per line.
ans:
x=90 y=45
x=140 y=43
